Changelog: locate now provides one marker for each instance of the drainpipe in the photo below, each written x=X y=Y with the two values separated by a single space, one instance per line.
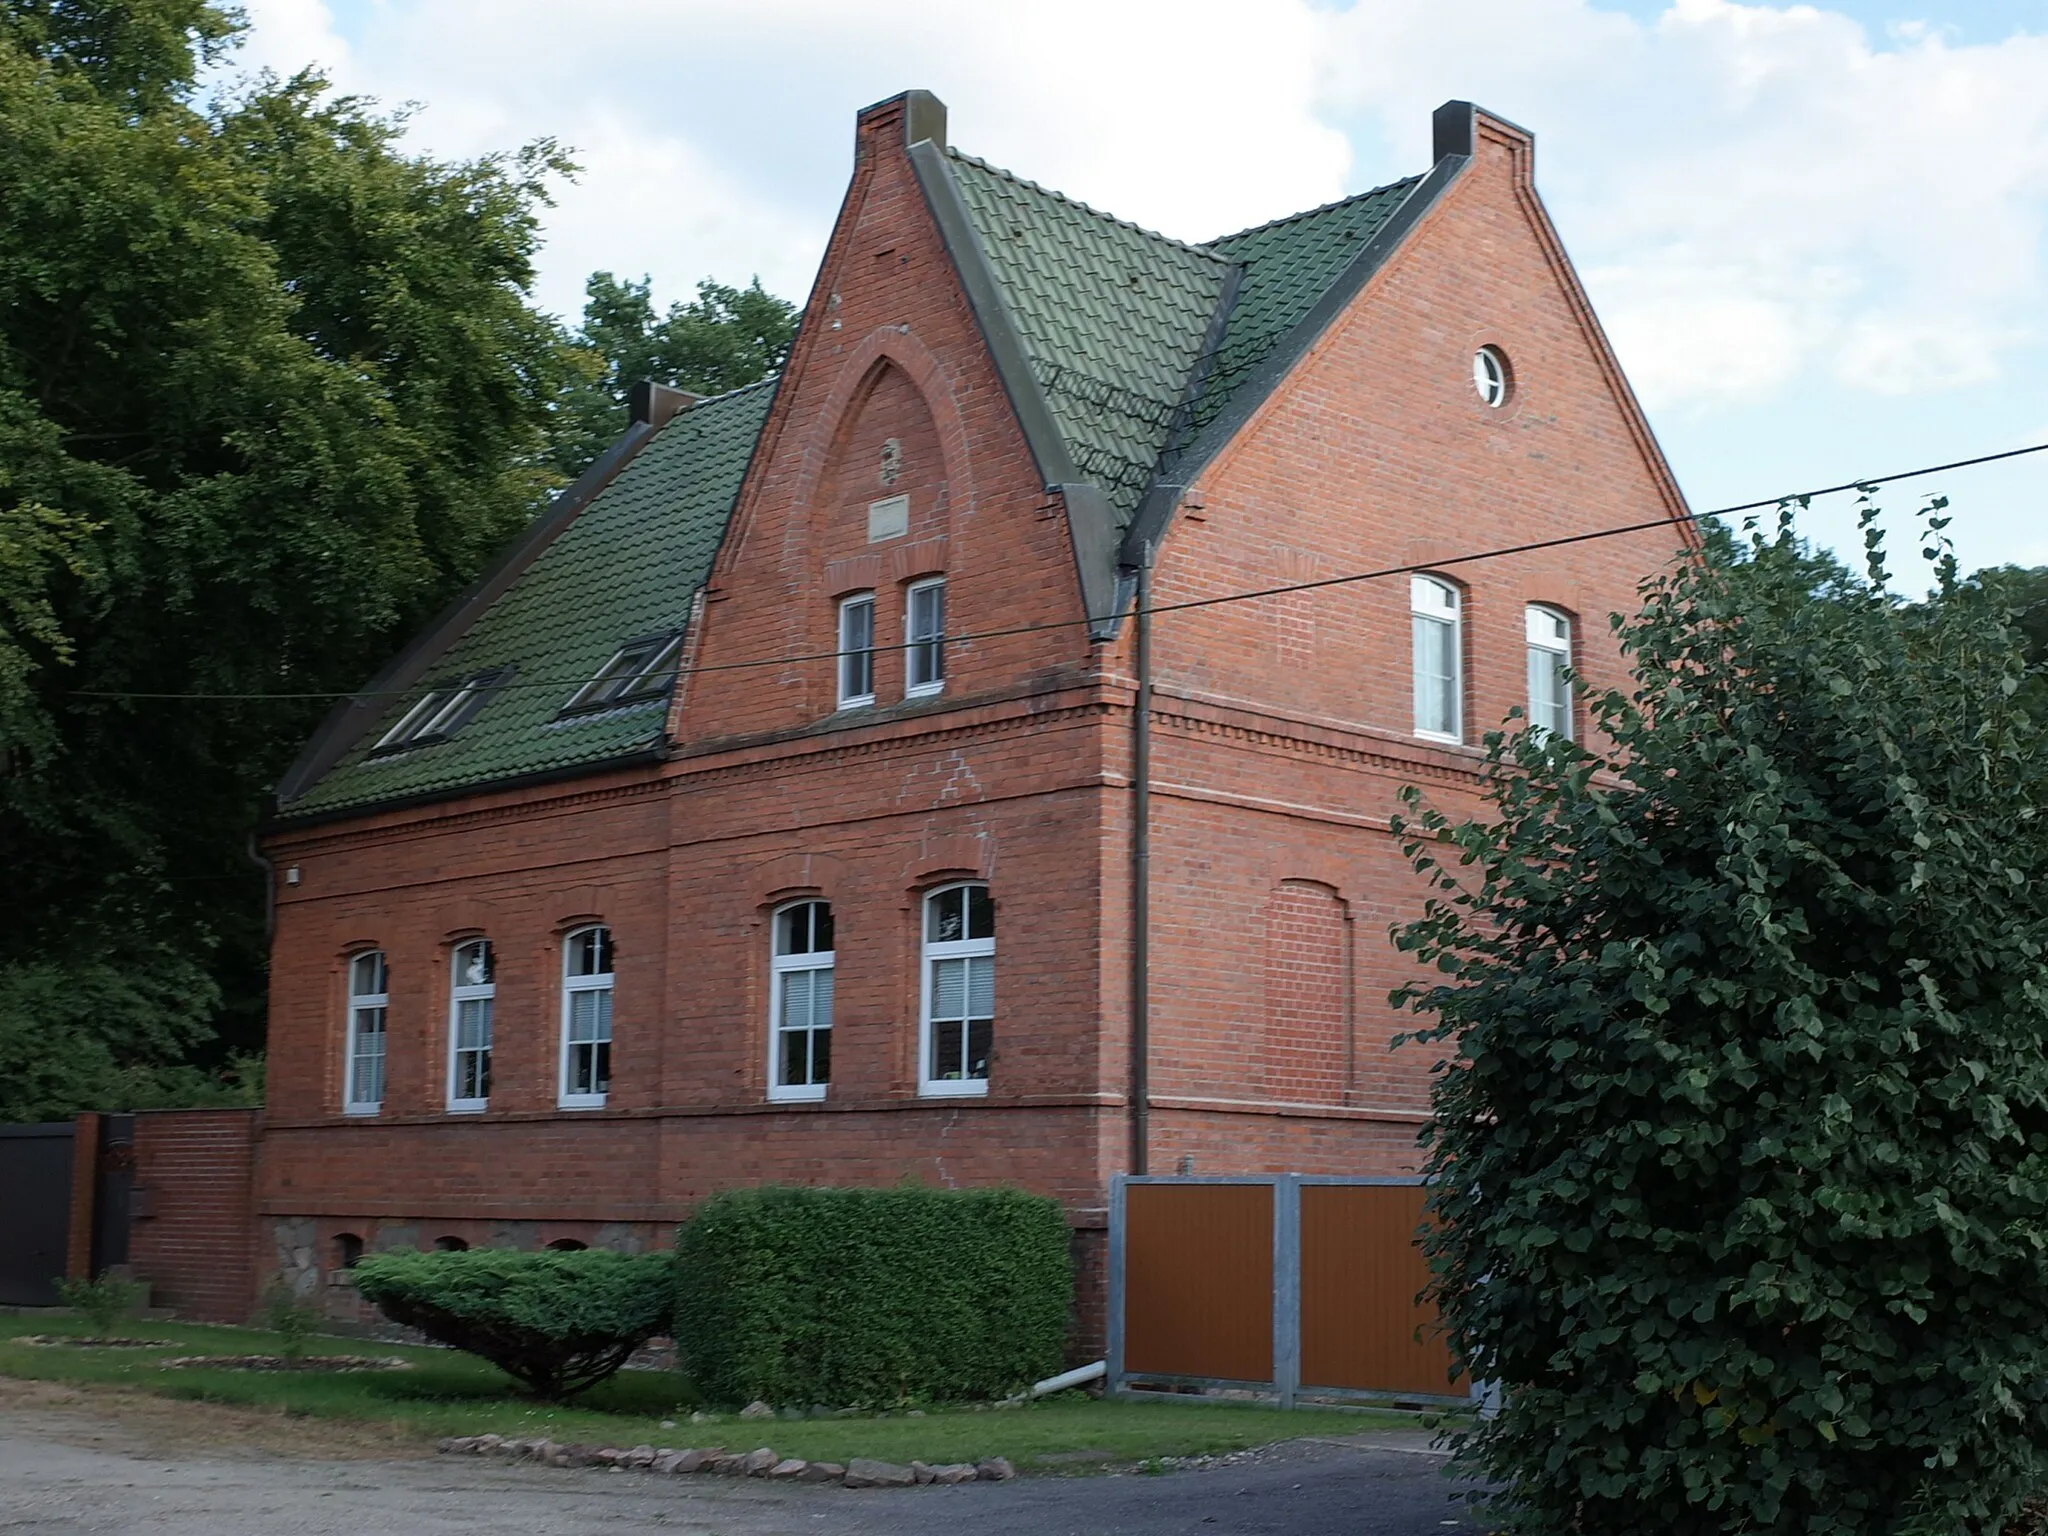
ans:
x=1141 y=878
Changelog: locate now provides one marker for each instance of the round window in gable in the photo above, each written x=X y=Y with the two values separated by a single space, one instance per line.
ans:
x=1490 y=375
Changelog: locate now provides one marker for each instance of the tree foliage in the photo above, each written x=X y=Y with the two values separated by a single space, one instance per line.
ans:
x=726 y=338
x=271 y=391
x=1742 y=1151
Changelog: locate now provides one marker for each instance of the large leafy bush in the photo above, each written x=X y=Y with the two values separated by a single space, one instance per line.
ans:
x=557 y=1322
x=1742 y=1154
x=872 y=1296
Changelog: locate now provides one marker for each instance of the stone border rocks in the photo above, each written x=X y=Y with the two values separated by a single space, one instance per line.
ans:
x=760 y=1462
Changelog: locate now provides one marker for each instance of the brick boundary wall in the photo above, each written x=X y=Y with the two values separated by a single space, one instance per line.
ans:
x=193 y=1234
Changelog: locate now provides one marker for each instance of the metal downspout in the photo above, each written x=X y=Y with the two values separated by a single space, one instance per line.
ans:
x=1141 y=879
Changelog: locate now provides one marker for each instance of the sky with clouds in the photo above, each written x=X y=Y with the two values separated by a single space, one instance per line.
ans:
x=1815 y=233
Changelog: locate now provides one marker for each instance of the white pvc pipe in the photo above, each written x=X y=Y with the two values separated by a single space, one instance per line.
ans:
x=1073 y=1378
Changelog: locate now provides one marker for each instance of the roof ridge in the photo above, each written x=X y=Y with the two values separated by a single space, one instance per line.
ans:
x=1089 y=209
x=1309 y=213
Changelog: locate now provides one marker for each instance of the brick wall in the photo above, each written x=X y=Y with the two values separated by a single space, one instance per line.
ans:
x=195 y=1247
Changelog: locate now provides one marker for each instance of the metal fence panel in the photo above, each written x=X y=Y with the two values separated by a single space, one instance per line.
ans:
x=35 y=1211
x=1198 y=1280
x=1362 y=1326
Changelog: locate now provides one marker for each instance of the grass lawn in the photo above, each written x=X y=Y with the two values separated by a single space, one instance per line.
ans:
x=446 y=1393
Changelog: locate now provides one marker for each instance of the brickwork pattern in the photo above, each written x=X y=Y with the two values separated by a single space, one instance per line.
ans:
x=196 y=1247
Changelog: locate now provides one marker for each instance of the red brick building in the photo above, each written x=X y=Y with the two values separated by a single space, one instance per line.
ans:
x=565 y=943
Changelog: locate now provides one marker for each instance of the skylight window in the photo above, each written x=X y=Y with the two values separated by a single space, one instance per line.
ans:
x=446 y=709
x=641 y=669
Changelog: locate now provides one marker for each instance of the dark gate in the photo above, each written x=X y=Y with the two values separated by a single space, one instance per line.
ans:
x=35 y=1211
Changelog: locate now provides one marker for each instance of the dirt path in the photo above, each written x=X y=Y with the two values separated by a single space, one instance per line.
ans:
x=101 y=1463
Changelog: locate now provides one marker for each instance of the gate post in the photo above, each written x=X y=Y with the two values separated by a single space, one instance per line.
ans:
x=1286 y=1288
x=85 y=1167
x=1113 y=1381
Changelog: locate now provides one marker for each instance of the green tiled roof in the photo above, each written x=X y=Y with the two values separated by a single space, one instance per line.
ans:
x=1115 y=320
x=630 y=564
x=1112 y=317
x=1288 y=265
x=1135 y=346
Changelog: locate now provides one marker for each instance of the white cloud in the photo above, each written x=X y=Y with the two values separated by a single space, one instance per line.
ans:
x=1757 y=193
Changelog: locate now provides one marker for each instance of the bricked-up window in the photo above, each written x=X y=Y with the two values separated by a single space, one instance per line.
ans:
x=924 y=634
x=1436 y=615
x=639 y=670
x=958 y=1036
x=857 y=650
x=1550 y=653
x=472 y=1003
x=369 y=998
x=800 y=1001
x=586 y=1018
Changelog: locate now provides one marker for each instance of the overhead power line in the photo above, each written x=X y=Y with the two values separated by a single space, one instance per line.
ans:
x=1381 y=574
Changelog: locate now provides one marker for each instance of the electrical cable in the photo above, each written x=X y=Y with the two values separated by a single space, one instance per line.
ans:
x=1381 y=574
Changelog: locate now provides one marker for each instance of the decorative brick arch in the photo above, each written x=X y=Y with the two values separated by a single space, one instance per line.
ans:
x=796 y=874
x=899 y=347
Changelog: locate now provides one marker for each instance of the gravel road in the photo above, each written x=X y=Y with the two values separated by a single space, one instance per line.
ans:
x=72 y=1468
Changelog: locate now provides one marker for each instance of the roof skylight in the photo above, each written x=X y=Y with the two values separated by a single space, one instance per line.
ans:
x=445 y=709
x=639 y=669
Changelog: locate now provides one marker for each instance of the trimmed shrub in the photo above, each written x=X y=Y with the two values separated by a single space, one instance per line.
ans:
x=556 y=1322
x=871 y=1297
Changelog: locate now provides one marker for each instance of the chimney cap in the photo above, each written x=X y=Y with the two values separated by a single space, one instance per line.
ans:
x=655 y=405
x=923 y=115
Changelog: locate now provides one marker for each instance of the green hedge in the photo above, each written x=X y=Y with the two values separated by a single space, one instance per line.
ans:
x=559 y=1322
x=870 y=1297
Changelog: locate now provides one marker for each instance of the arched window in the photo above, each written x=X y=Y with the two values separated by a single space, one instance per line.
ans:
x=586 y=1018
x=958 y=1034
x=800 y=1001
x=369 y=996
x=472 y=1001
x=1490 y=375
x=348 y=1250
x=1550 y=653
x=1437 y=617
x=451 y=1245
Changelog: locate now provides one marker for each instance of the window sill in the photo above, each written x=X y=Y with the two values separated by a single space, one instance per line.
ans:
x=1440 y=738
x=807 y=1093
x=924 y=690
x=865 y=701
x=581 y=1101
x=468 y=1106
x=949 y=1088
x=363 y=1111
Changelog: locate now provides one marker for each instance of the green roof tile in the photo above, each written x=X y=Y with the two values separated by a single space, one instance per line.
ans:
x=630 y=564
x=1288 y=265
x=1112 y=316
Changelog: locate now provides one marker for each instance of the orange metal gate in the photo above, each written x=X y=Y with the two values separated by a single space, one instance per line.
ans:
x=1285 y=1282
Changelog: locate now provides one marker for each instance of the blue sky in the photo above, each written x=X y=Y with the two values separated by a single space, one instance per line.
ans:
x=1817 y=234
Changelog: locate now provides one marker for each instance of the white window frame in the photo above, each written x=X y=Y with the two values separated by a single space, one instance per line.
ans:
x=923 y=651
x=1540 y=626
x=856 y=658
x=1490 y=376
x=360 y=1003
x=574 y=986
x=931 y=952
x=780 y=968
x=460 y=992
x=445 y=709
x=1435 y=601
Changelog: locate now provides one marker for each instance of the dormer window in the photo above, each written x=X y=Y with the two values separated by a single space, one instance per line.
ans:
x=446 y=709
x=640 y=670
